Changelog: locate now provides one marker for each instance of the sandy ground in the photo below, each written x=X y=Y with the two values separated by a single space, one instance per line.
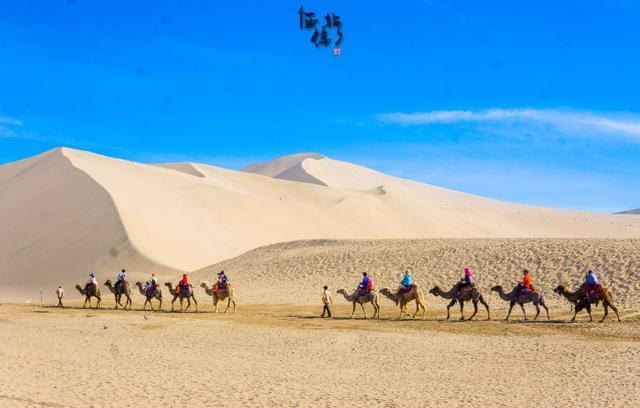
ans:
x=284 y=355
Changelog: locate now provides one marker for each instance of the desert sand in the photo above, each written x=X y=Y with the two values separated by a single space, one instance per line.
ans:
x=67 y=213
x=287 y=356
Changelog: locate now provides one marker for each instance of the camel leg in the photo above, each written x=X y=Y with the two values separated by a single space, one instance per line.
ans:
x=188 y=304
x=546 y=309
x=588 y=307
x=365 y=312
x=376 y=310
x=461 y=310
x=537 y=311
x=354 y=310
x=615 y=310
x=417 y=310
x=194 y=302
x=606 y=310
x=85 y=302
x=453 y=302
x=524 y=312
x=511 y=304
x=475 y=308
x=172 y=303
x=160 y=305
x=486 y=306
x=98 y=304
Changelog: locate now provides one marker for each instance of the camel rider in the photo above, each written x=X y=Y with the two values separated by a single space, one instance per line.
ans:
x=366 y=286
x=526 y=284
x=92 y=281
x=122 y=278
x=184 y=283
x=223 y=281
x=152 y=282
x=467 y=280
x=406 y=283
x=591 y=284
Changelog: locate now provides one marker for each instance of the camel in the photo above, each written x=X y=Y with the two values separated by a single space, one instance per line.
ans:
x=472 y=295
x=157 y=294
x=184 y=294
x=582 y=302
x=124 y=289
x=536 y=298
x=402 y=300
x=220 y=294
x=361 y=300
x=94 y=291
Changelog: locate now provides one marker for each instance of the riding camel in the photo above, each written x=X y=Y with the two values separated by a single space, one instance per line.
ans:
x=535 y=297
x=403 y=299
x=468 y=294
x=583 y=302
x=157 y=294
x=186 y=293
x=123 y=289
x=361 y=300
x=94 y=291
x=220 y=294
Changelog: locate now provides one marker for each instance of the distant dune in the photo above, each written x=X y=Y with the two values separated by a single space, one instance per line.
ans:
x=635 y=212
x=69 y=212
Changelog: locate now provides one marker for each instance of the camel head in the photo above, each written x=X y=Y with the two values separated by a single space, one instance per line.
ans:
x=107 y=282
x=205 y=285
x=384 y=291
x=139 y=284
x=79 y=287
x=497 y=288
x=342 y=291
x=168 y=284
x=560 y=289
x=435 y=291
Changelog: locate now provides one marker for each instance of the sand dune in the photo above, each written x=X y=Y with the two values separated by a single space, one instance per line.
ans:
x=294 y=272
x=69 y=212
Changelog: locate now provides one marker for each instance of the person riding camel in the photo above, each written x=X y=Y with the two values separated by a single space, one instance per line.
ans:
x=152 y=283
x=92 y=282
x=467 y=281
x=366 y=286
x=184 y=283
x=223 y=281
x=591 y=285
x=122 y=278
x=406 y=283
x=526 y=284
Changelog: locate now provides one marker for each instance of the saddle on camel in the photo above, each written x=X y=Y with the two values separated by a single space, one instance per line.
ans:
x=406 y=284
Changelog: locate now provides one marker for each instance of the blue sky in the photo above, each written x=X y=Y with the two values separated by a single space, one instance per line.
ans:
x=534 y=102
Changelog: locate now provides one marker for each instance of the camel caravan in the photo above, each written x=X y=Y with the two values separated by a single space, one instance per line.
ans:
x=151 y=290
x=591 y=292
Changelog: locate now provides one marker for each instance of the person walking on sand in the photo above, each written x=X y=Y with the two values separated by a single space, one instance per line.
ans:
x=60 y=294
x=326 y=300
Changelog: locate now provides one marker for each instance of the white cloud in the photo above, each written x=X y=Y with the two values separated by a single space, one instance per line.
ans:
x=566 y=121
x=5 y=120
